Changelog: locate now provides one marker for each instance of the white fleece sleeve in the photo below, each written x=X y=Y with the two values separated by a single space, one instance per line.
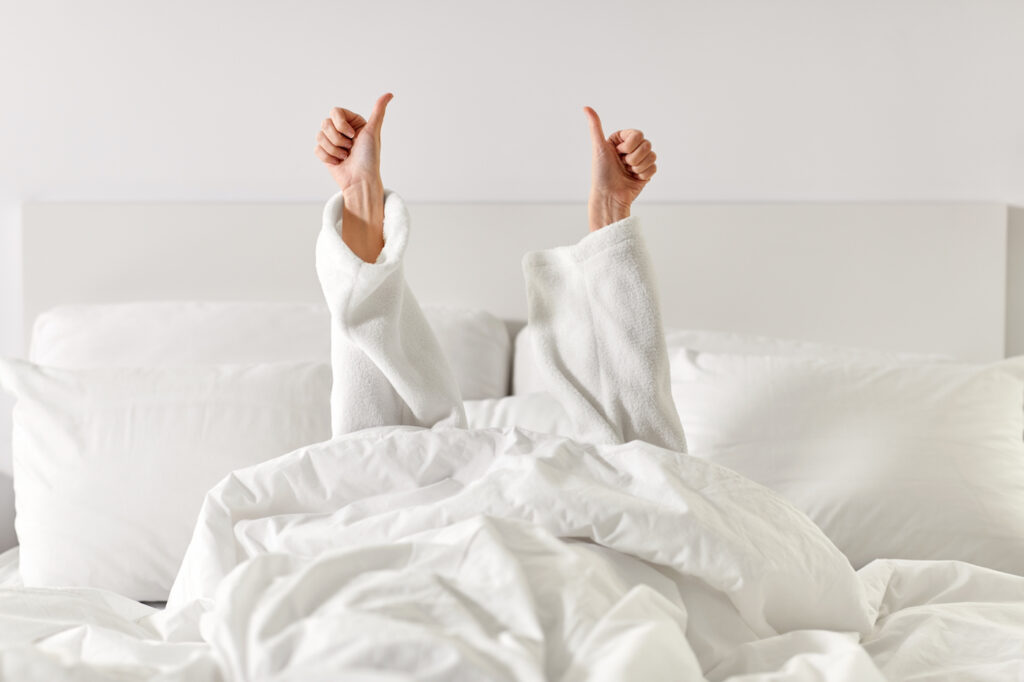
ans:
x=598 y=339
x=388 y=366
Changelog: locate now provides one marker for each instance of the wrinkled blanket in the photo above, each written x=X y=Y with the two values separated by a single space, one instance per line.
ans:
x=445 y=554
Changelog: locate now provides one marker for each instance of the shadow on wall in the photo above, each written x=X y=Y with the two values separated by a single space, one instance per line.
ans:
x=1015 y=281
x=7 y=538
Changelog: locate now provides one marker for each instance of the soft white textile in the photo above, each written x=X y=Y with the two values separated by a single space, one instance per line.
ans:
x=894 y=456
x=413 y=582
x=479 y=347
x=598 y=339
x=111 y=465
x=892 y=460
x=753 y=344
x=938 y=621
x=527 y=376
x=417 y=497
x=401 y=553
x=388 y=365
x=171 y=333
x=945 y=621
x=389 y=484
x=609 y=371
x=179 y=333
x=539 y=412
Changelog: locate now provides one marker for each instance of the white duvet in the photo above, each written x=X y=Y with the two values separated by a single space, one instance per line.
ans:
x=447 y=554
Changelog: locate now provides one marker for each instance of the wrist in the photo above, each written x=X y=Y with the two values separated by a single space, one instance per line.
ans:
x=365 y=199
x=603 y=210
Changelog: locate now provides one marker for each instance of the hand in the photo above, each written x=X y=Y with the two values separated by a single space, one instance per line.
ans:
x=622 y=166
x=350 y=145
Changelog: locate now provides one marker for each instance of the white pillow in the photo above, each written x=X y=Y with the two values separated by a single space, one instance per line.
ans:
x=161 y=334
x=478 y=347
x=538 y=412
x=527 y=379
x=752 y=344
x=891 y=460
x=112 y=465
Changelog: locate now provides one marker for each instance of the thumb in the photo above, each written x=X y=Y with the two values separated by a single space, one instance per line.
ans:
x=596 y=132
x=377 y=115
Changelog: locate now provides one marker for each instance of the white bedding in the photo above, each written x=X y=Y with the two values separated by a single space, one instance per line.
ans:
x=437 y=554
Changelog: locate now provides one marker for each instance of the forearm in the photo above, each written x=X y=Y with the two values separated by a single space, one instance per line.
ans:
x=362 y=226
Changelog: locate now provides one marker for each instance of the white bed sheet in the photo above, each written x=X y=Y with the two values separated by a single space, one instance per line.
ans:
x=397 y=550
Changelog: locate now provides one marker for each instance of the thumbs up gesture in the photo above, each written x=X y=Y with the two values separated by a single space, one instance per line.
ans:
x=350 y=145
x=622 y=165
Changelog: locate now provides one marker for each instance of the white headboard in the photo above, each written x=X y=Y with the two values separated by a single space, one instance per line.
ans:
x=913 y=277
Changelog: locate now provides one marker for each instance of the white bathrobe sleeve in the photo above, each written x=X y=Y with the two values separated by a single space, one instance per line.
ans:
x=387 y=364
x=598 y=338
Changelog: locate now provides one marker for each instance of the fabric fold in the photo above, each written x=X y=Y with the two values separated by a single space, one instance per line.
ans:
x=598 y=338
x=388 y=366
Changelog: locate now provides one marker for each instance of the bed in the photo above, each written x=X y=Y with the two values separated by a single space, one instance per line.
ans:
x=853 y=508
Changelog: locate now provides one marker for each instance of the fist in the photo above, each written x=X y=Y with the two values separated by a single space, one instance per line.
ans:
x=622 y=165
x=349 y=145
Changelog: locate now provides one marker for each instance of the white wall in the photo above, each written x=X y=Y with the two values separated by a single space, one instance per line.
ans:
x=745 y=99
